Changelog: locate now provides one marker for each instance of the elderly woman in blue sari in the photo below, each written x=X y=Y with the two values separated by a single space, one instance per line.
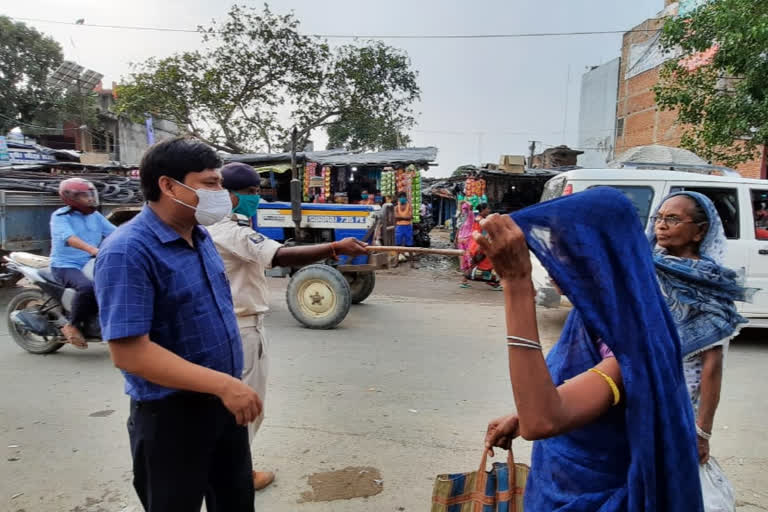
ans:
x=689 y=249
x=608 y=408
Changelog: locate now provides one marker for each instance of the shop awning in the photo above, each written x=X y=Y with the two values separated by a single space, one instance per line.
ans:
x=277 y=168
x=405 y=156
x=341 y=157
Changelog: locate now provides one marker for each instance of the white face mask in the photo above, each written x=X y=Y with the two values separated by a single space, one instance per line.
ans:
x=212 y=205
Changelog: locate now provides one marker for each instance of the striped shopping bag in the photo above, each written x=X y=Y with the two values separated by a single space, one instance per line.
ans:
x=498 y=490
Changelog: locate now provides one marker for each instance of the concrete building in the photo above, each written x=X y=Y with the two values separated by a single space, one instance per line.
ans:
x=597 y=114
x=133 y=140
x=117 y=139
x=639 y=121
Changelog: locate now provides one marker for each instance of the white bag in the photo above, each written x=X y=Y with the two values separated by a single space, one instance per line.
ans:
x=715 y=487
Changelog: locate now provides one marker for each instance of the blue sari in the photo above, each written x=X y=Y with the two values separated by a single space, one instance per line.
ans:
x=641 y=455
x=701 y=293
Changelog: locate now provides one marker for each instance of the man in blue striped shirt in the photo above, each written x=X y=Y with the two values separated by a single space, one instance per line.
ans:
x=166 y=309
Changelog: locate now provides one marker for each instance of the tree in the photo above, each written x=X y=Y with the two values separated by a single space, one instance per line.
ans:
x=719 y=86
x=367 y=91
x=27 y=58
x=256 y=70
x=463 y=170
x=365 y=133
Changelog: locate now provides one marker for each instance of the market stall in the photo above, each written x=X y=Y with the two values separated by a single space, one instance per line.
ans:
x=343 y=177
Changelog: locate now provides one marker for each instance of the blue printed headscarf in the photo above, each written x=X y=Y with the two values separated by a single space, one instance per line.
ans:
x=700 y=293
x=640 y=455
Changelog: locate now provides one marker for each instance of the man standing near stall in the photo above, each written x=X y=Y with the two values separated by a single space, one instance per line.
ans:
x=247 y=254
x=404 y=224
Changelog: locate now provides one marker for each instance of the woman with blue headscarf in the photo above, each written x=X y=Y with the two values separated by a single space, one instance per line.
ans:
x=689 y=248
x=608 y=407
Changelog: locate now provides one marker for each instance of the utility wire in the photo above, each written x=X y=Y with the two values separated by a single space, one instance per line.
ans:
x=356 y=36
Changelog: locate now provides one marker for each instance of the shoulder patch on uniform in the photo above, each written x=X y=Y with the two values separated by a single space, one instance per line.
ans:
x=256 y=238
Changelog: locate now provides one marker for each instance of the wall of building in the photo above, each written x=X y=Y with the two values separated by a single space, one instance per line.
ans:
x=597 y=114
x=133 y=138
x=638 y=120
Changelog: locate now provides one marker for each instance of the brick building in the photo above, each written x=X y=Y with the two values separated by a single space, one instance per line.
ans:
x=638 y=120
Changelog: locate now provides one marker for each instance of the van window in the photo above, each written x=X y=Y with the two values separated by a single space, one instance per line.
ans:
x=641 y=198
x=760 y=213
x=727 y=204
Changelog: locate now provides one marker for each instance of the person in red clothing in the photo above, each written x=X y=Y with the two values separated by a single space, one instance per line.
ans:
x=482 y=267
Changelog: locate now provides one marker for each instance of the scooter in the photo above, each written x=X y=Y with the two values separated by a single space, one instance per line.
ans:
x=37 y=313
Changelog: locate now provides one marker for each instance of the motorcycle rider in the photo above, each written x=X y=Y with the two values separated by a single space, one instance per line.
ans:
x=247 y=254
x=76 y=233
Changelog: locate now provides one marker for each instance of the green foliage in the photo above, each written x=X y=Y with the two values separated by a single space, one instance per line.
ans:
x=463 y=170
x=365 y=133
x=256 y=70
x=723 y=105
x=27 y=57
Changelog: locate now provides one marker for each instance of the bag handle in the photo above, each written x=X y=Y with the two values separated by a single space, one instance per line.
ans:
x=482 y=480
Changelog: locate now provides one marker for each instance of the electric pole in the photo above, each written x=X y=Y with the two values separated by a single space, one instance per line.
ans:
x=532 y=149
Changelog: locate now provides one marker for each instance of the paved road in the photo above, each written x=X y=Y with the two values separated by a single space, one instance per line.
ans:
x=406 y=385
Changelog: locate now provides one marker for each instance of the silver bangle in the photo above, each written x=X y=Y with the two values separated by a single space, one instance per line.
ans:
x=522 y=340
x=700 y=432
x=526 y=345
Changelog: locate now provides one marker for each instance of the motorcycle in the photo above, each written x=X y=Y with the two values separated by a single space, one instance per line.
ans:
x=421 y=231
x=37 y=313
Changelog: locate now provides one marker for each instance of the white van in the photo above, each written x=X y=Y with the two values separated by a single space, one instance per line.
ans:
x=742 y=204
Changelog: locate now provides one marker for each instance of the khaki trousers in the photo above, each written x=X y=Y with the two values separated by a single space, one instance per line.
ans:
x=255 y=362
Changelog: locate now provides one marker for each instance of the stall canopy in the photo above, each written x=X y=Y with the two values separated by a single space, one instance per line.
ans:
x=339 y=175
x=341 y=157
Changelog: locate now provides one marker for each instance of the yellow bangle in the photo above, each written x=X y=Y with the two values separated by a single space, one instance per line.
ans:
x=611 y=383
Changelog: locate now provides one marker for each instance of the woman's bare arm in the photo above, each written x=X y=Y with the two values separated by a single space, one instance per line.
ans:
x=711 y=383
x=543 y=410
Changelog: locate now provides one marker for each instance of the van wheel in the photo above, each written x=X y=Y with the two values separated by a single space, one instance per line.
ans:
x=318 y=297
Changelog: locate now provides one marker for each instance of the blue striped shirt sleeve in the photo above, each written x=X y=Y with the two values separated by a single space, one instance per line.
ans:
x=125 y=293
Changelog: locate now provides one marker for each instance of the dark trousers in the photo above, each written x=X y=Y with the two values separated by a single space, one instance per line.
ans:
x=84 y=304
x=187 y=448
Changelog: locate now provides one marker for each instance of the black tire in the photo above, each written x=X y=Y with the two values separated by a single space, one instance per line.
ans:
x=361 y=285
x=318 y=297
x=28 y=341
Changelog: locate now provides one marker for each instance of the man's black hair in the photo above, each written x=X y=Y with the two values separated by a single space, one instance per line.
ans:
x=174 y=158
x=402 y=194
x=482 y=206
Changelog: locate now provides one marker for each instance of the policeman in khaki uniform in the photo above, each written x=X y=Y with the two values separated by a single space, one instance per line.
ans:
x=247 y=255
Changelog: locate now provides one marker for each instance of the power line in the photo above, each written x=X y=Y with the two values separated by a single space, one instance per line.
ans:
x=357 y=36
x=21 y=123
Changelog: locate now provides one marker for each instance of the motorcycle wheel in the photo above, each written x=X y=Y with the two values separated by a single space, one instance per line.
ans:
x=30 y=342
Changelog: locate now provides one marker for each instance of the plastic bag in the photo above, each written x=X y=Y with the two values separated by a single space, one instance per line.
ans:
x=715 y=487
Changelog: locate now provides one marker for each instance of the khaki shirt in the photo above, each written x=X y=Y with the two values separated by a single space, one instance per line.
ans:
x=246 y=254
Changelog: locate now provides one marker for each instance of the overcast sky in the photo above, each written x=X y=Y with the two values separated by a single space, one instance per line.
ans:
x=480 y=98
